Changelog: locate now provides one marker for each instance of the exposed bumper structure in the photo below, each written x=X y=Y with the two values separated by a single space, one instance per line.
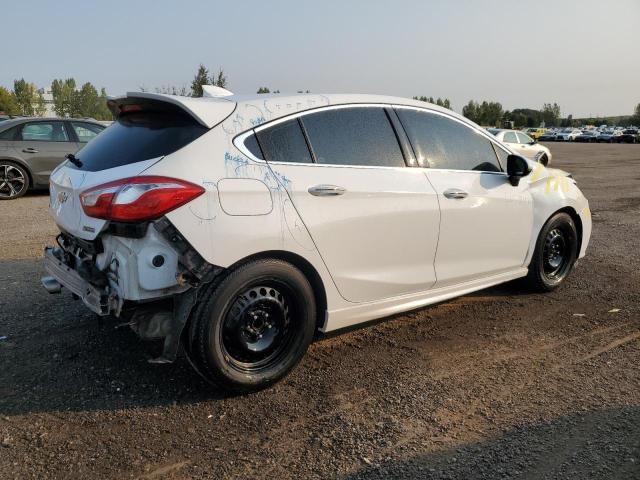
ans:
x=97 y=300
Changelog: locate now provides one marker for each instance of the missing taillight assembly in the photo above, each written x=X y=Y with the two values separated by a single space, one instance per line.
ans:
x=137 y=199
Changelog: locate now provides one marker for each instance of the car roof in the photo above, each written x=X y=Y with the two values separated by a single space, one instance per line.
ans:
x=251 y=110
x=5 y=125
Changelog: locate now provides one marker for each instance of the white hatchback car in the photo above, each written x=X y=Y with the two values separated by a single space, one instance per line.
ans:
x=522 y=144
x=239 y=226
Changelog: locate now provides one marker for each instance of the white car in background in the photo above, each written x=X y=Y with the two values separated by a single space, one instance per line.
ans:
x=523 y=144
x=568 y=135
x=240 y=226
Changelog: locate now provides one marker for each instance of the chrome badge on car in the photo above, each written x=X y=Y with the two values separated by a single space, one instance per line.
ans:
x=62 y=197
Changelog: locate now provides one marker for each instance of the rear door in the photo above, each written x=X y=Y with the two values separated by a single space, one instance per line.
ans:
x=373 y=219
x=43 y=145
x=486 y=223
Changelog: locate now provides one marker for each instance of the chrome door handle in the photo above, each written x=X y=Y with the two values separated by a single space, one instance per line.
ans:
x=455 y=193
x=326 y=190
x=29 y=150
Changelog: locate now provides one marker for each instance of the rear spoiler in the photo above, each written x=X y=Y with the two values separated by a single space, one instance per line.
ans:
x=208 y=111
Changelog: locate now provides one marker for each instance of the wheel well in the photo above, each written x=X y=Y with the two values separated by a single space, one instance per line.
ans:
x=306 y=268
x=576 y=219
x=21 y=165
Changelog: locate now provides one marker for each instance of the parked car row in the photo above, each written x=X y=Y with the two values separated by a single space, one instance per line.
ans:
x=592 y=135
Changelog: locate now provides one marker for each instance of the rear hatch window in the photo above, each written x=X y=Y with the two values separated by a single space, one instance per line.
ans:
x=138 y=136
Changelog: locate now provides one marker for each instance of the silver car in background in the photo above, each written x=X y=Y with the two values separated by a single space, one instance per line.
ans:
x=30 y=148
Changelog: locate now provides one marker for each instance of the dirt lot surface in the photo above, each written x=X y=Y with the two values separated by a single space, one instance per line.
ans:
x=498 y=384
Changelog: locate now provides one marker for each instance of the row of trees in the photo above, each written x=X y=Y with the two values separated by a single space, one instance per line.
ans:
x=438 y=101
x=68 y=101
x=24 y=99
x=527 y=117
x=492 y=114
x=485 y=113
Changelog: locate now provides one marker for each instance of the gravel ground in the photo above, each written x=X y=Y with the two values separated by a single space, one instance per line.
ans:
x=498 y=384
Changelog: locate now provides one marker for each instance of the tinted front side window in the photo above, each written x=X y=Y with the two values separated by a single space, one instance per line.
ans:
x=445 y=143
x=284 y=142
x=135 y=137
x=353 y=136
x=44 y=132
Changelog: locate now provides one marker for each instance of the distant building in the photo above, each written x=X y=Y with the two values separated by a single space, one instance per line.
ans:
x=47 y=94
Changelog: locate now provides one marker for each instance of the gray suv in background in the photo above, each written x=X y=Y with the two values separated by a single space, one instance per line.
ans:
x=30 y=148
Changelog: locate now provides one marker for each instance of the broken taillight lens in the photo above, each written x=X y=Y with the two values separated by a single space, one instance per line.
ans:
x=137 y=199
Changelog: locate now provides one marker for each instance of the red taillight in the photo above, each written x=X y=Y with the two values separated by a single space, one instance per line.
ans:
x=137 y=199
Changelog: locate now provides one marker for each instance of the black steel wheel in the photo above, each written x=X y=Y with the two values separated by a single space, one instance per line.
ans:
x=256 y=328
x=555 y=253
x=544 y=159
x=14 y=181
x=253 y=326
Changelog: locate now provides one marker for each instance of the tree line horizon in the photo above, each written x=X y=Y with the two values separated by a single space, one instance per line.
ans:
x=86 y=102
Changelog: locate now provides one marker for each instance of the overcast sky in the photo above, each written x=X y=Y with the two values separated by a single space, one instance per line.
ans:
x=583 y=54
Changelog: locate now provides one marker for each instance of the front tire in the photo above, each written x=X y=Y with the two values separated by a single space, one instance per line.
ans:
x=254 y=326
x=544 y=159
x=555 y=253
x=14 y=180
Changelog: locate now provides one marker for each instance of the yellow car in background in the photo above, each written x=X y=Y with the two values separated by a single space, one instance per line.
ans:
x=535 y=132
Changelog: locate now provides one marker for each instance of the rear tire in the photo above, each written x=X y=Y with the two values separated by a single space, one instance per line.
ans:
x=555 y=254
x=253 y=327
x=14 y=180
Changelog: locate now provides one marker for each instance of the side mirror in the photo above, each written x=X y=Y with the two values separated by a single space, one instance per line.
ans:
x=533 y=141
x=517 y=167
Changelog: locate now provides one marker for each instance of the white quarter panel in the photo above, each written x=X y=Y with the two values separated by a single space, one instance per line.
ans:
x=244 y=196
x=486 y=233
x=378 y=239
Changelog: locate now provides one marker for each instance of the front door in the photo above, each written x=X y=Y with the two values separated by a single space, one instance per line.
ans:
x=486 y=223
x=374 y=220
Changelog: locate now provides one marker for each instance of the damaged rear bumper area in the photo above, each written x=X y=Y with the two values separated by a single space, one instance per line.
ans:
x=122 y=276
x=101 y=300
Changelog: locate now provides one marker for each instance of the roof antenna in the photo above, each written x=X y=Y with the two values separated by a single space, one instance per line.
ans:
x=211 y=91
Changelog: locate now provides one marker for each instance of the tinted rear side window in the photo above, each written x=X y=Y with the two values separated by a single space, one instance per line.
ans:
x=135 y=137
x=284 y=142
x=360 y=136
x=445 y=143
x=252 y=145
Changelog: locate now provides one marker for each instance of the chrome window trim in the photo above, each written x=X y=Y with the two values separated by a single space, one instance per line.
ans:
x=238 y=140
